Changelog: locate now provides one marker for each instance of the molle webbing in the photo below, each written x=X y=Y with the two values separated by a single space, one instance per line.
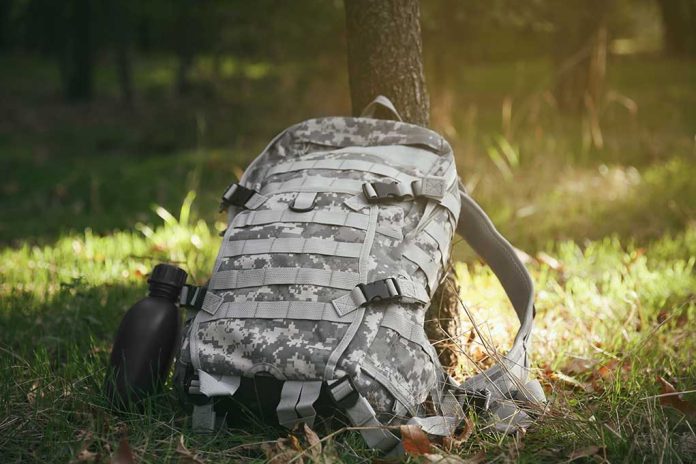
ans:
x=291 y=245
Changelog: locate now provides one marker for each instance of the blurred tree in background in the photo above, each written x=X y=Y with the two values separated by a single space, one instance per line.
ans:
x=78 y=34
x=679 y=22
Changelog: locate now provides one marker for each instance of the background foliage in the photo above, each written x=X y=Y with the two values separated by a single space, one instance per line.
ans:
x=112 y=112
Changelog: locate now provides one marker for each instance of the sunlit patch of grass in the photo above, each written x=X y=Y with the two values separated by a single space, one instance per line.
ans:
x=611 y=317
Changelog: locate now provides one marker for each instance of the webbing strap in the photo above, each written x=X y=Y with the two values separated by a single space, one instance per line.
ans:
x=232 y=279
x=383 y=102
x=396 y=321
x=289 y=396
x=203 y=418
x=354 y=220
x=297 y=402
x=314 y=184
x=307 y=310
x=442 y=238
x=407 y=290
x=343 y=165
x=221 y=385
x=427 y=263
x=353 y=328
x=443 y=426
x=362 y=415
x=291 y=245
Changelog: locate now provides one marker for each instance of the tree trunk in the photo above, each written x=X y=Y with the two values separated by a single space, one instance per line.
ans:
x=78 y=75
x=121 y=25
x=385 y=56
x=679 y=26
x=580 y=44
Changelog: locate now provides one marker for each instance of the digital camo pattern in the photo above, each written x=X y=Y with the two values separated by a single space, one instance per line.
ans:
x=286 y=349
x=300 y=349
x=282 y=293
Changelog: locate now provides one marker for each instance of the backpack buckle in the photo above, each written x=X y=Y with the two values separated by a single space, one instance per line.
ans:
x=386 y=289
x=376 y=192
x=343 y=392
x=236 y=195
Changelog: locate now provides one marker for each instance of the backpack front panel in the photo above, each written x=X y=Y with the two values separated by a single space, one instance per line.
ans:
x=381 y=358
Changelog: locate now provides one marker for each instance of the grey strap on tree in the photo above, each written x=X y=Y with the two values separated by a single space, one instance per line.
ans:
x=380 y=102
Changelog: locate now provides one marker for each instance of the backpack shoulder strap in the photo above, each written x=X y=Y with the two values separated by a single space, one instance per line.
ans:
x=508 y=378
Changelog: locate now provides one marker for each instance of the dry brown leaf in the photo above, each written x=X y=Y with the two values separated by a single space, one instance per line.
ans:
x=579 y=366
x=123 y=454
x=443 y=459
x=674 y=399
x=586 y=452
x=477 y=458
x=313 y=440
x=414 y=440
x=568 y=380
x=186 y=456
x=283 y=450
x=86 y=455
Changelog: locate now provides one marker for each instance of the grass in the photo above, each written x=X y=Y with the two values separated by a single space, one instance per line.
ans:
x=610 y=234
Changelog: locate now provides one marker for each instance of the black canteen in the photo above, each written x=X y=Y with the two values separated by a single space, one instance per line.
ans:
x=146 y=339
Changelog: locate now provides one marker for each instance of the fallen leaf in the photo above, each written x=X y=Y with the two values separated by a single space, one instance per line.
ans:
x=282 y=450
x=186 y=456
x=86 y=455
x=672 y=398
x=464 y=431
x=568 y=380
x=444 y=459
x=477 y=458
x=579 y=366
x=414 y=440
x=313 y=441
x=123 y=454
x=586 y=452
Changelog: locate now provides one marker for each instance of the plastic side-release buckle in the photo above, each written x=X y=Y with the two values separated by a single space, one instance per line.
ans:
x=377 y=192
x=387 y=289
x=344 y=393
x=236 y=195
x=192 y=296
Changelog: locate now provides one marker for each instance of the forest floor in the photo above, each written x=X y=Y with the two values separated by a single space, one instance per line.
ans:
x=606 y=211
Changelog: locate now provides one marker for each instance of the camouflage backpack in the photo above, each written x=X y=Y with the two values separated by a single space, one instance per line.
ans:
x=337 y=239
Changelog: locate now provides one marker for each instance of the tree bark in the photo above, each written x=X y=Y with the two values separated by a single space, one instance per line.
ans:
x=385 y=56
x=679 y=26
x=78 y=62
x=120 y=22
